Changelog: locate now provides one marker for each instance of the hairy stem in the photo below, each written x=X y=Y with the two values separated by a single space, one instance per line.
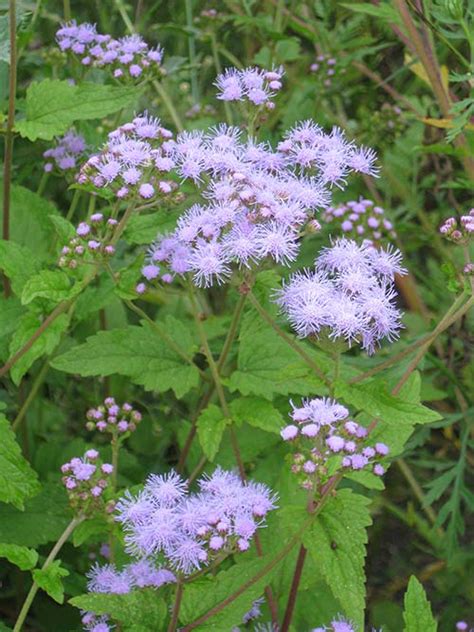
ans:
x=51 y=557
x=173 y=624
x=290 y=606
x=9 y=134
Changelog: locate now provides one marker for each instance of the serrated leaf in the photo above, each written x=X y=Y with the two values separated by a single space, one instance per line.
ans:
x=53 y=105
x=43 y=519
x=257 y=412
x=18 y=263
x=92 y=528
x=51 y=284
x=211 y=425
x=18 y=481
x=11 y=311
x=64 y=229
x=45 y=344
x=337 y=540
x=417 y=613
x=143 y=229
x=139 y=607
x=49 y=579
x=21 y=556
x=136 y=352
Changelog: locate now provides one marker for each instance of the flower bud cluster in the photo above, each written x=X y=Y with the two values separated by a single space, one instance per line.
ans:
x=192 y=530
x=85 y=480
x=127 y=58
x=252 y=84
x=92 y=241
x=321 y=429
x=67 y=152
x=459 y=230
x=326 y=70
x=388 y=120
x=361 y=219
x=133 y=163
x=113 y=418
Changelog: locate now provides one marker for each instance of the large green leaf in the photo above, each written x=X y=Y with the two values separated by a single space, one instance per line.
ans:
x=337 y=540
x=21 y=556
x=54 y=285
x=49 y=579
x=44 y=344
x=18 y=263
x=137 y=608
x=136 y=352
x=11 y=311
x=142 y=229
x=43 y=520
x=417 y=613
x=52 y=106
x=257 y=412
x=18 y=481
x=210 y=428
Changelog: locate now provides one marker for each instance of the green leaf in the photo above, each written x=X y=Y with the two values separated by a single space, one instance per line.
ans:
x=383 y=11
x=52 y=106
x=200 y=596
x=18 y=263
x=18 y=481
x=337 y=542
x=257 y=412
x=10 y=313
x=64 y=229
x=49 y=579
x=210 y=428
x=43 y=520
x=417 y=613
x=21 y=556
x=288 y=50
x=51 y=284
x=31 y=225
x=139 y=607
x=136 y=352
x=45 y=344
x=143 y=229
x=93 y=528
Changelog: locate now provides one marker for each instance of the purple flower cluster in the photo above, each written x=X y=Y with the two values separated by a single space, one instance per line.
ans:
x=337 y=625
x=192 y=530
x=113 y=418
x=257 y=200
x=326 y=70
x=93 y=623
x=133 y=162
x=348 y=296
x=127 y=57
x=321 y=429
x=140 y=574
x=253 y=84
x=67 y=152
x=361 y=219
x=459 y=231
x=85 y=480
x=92 y=242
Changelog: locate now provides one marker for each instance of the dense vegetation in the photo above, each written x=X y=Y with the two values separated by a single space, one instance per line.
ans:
x=236 y=338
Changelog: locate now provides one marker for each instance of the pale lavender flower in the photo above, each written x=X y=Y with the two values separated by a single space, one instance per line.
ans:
x=68 y=151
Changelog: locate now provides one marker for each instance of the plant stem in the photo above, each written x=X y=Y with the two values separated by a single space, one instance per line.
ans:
x=51 y=557
x=124 y=15
x=293 y=344
x=215 y=54
x=192 y=433
x=73 y=205
x=165 y=97
x=417 y=490
x=290 y=606
x=31 y=395
x=67 y=10
x=172 y=627
x=192 y=50
x=9 y=134
x=42 y=184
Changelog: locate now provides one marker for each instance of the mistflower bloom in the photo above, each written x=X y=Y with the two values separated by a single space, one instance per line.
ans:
x=94 y=623
x=350 y=295
x=459 y=230
x=85 y=480
x=338 y=625
x=127 y=57
x=256 y=85
x=133 y=162
x=320 y=430
x=191 y=530
x=91 y=243
x=68 y=152
x=113 y=418
x=256 y=201
x=140 y=574
x=362 y=221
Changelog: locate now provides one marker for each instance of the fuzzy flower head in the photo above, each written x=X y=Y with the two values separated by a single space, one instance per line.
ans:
x=93 y=242
x=128 y=59
x=140 y=574
x=68 y=151
x=362 y=221
x=117 y=419
x=191 y=530
x=350 y=295
x=459 y=230
x=85 y=480
x=254 y=85
x=338 y=625
x=323 y=434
